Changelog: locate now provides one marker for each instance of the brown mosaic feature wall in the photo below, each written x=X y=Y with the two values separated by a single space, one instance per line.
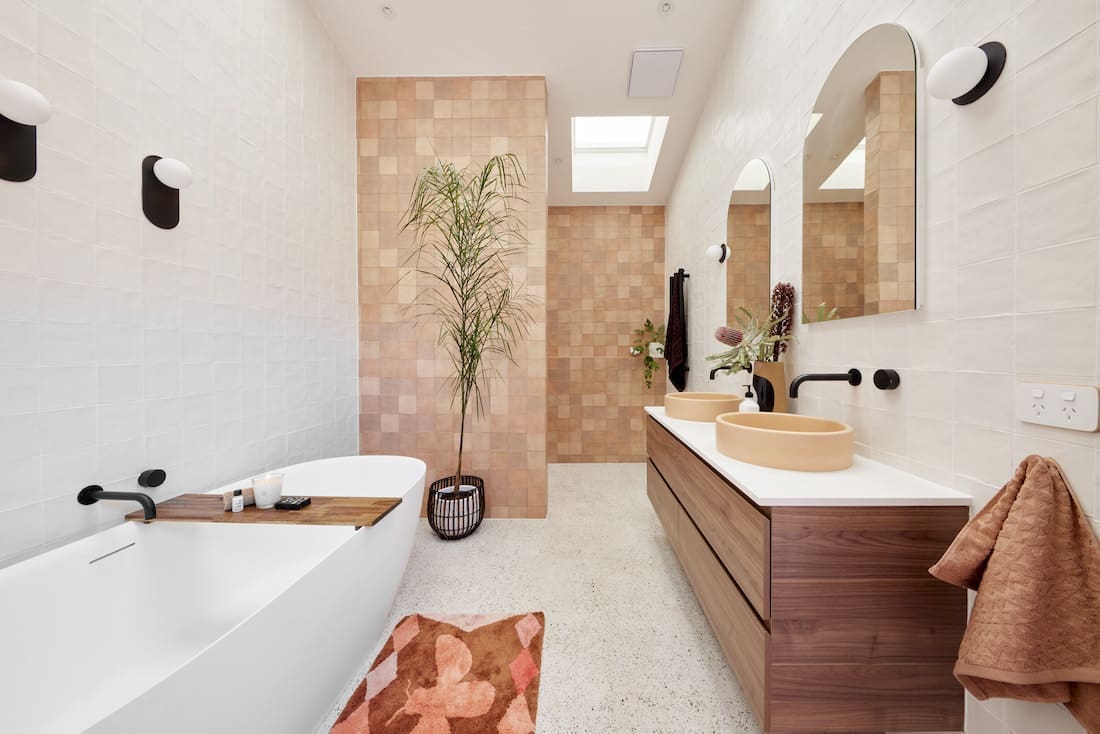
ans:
x=748 y=266
x=605 y=278
x=889 y=224
x=403 y=124
x=833 y=250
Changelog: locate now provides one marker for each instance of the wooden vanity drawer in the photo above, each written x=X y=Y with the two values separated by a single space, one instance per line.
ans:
x=664 y=503
x=741 y=635
x=739 y=533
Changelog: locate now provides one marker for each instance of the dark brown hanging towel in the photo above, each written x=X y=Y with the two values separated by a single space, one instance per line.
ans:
x=676 y=346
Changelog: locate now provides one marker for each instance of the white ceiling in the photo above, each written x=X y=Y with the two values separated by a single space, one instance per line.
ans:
x=582 y=47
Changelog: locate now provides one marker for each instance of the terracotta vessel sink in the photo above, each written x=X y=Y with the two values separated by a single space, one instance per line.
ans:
x=700 y=406
x=786 y=441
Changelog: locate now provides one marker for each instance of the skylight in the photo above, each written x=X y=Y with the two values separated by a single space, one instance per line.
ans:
x=611 y=133
x=850 y=173
x=616 y=153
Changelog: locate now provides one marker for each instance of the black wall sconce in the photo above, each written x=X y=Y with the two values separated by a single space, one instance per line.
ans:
x=966 y=74
x=161 y=181
x=22 y=109
x=718 y=252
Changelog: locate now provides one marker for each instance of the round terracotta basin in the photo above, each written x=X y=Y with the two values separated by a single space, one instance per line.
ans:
x=700 y=406
x=786 y=441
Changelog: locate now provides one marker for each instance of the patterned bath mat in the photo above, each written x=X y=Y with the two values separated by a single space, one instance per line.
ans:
x=451 y=675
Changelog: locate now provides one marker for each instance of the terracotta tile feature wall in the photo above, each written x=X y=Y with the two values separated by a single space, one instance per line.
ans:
x=834 y=252
x=405 y=407
x=748 y=270
x=889 y=224
x=606 y=277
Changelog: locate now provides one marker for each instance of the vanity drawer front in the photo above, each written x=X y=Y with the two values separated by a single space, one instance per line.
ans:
x=739 y=533
x=664 y=503
x=743 y=639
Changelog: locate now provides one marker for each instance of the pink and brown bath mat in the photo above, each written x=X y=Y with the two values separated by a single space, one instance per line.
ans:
x=451 y=675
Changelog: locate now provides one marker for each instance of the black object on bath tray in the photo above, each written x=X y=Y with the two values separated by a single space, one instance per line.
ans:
x=292 y=503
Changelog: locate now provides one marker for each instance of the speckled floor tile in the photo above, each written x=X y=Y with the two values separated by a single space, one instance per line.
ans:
x=627 y=648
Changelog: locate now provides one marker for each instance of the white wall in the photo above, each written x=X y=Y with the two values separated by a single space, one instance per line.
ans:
x=1009 y=238
x=212 y=350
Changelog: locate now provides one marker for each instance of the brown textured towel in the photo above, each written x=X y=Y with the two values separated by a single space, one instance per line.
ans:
x=1034 y=632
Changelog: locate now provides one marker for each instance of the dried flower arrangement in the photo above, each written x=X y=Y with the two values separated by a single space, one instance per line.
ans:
x=782 y=315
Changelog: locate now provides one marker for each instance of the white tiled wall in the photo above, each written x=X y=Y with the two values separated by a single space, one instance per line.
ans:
x=212 y=350
x=1009 y=234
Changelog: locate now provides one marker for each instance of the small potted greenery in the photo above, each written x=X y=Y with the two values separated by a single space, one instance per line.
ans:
x=649 y=344
x=823 y=313
x=467 y=228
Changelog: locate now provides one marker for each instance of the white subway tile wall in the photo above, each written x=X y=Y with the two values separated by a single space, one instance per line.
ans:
x=1008 y=231
x=214 y=350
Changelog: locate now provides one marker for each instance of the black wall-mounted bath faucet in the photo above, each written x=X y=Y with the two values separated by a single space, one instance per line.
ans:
x=94 y=493
x=853 y=377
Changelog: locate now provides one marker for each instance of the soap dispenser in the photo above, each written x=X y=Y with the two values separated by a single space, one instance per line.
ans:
x=748 y=403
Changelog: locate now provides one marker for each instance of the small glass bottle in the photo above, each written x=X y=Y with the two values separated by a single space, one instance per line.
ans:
x=238 y=500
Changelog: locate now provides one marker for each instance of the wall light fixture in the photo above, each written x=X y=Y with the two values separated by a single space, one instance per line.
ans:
x=966 y=74
x=161 y=181
x=718 y=252
x=22 y=109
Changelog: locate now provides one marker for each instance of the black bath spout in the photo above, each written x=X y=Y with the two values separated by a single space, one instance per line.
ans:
x=94 y=493
x=853 y=377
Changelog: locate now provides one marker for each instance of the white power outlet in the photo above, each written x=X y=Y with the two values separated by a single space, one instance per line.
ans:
x=1076 y=407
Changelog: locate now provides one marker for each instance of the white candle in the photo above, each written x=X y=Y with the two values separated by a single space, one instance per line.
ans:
x=268 y=489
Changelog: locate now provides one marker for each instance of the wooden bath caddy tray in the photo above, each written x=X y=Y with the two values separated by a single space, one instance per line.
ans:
x=357 y=511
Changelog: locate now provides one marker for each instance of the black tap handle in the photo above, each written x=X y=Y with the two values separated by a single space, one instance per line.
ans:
x=152 y=477
x=887 y=379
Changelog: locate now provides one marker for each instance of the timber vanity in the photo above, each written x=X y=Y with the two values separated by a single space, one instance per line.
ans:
x=816 y=584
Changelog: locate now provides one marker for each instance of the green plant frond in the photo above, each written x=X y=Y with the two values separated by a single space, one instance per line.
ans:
x=466 y=228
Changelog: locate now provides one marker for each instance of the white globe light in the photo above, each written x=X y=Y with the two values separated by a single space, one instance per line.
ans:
x=23 y=103
x=714 y=252
x=957 y=72
x=172 y=172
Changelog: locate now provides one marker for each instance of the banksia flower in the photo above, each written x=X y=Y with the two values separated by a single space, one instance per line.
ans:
x=729 y=336
x=782 y=314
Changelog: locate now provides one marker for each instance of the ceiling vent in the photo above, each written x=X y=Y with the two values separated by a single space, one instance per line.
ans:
x=653 y=72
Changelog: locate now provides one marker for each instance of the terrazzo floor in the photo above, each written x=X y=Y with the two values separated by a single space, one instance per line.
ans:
x=627 y=648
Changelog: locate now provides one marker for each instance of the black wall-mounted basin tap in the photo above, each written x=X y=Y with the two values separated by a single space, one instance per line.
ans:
x=716 y=370
x=853 y=377
x=94 y=493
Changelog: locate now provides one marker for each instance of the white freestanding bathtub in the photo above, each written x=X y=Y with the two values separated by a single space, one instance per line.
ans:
x=200 y=627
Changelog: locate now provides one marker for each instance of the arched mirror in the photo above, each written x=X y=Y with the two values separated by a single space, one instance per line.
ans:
x=859 y=183
x=749 y=239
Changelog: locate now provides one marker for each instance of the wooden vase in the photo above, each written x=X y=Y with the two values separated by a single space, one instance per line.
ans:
x=769 y=382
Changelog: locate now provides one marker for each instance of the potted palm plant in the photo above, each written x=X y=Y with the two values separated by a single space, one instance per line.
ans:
x=466 y=229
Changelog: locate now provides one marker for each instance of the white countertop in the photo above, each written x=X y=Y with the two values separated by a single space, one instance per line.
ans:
x=865 y=483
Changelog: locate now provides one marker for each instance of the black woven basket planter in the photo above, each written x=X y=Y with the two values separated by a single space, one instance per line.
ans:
x=456 y=515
